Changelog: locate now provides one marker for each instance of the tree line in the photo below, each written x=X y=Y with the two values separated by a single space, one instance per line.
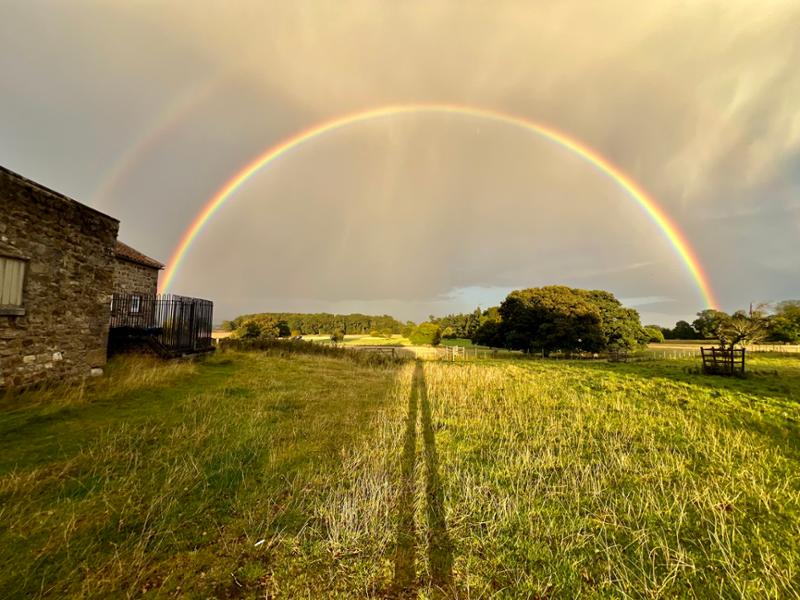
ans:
x=542 y=320
x=546 y=320
x=779 y=325
x=293 y=324
x=555 y=318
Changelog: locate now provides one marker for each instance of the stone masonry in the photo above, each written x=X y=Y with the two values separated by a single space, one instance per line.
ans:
x=69 y=253
x=135 y=273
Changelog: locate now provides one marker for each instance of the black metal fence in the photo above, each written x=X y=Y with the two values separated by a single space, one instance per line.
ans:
x=179 y=324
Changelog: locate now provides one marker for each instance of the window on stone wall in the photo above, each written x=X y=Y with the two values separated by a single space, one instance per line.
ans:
x=12 y=280
x=135 y=304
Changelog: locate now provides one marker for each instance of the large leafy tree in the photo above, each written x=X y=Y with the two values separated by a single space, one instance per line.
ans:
x=654 y=334
x=708 y=322
x=683 y=331
x=741 y=329
x=562 y=318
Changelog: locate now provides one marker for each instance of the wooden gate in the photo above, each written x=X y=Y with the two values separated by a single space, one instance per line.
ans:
x=723 y=361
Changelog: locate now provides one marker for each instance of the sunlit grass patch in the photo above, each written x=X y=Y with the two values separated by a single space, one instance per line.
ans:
x=568 y=479
x=272 y=473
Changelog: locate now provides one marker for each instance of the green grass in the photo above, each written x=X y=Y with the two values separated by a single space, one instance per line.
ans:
x=512 y=478
x=463 y=342
x=167 y=482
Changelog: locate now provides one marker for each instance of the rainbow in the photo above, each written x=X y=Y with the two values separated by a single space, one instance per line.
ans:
x=169 y=118
x=635 y=191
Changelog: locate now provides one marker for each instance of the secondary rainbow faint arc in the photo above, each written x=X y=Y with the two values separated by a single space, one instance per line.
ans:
x=634 y=190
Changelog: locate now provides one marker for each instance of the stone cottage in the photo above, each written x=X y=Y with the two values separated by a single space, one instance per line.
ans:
x=57 y=265
x=135 y=273
x=66 y=282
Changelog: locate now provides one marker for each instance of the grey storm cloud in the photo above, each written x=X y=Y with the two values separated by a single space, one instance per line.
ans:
x=144 y=109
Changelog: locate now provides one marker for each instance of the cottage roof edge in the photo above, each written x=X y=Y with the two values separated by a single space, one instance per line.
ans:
x=58 y=195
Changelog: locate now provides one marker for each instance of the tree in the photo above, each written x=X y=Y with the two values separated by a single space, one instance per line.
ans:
x=489 y=330
x=448 y=333
x=654 y=334
x=708 y=322
x=283 y=329
x=303 y=323
x=337 y=336
x=667 y=333
x=621 y=326
x=743 y=329
x=426 y=333
x=784 y=325
x=249 y=330
x=489 y=334
x=683 y=331
x=408 y=329
x=562 y=318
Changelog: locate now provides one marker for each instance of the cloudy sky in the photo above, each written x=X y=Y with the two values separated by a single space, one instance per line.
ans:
x=145 y=109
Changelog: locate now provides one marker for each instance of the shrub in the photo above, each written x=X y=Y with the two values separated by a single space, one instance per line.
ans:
x=426 y=333
x=654 y=334
x=248 y=330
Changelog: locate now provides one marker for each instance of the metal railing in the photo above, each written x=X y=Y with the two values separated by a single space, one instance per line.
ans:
x=177 y=323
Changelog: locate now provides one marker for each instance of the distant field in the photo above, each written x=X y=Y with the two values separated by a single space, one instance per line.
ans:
x=368 y=340
x=695 y=345
x=463 y=342
x=266 y=475
x=689 y=343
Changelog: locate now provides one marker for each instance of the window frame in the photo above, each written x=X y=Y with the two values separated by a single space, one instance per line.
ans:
x=14 y=310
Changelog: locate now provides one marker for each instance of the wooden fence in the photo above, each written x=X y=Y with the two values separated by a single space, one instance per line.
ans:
x=788 y=348
x=461 y=353
x=723 y=361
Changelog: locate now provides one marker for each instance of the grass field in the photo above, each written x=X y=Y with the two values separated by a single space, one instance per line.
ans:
x=253 y=475
x=463 y=342
x=368 y=340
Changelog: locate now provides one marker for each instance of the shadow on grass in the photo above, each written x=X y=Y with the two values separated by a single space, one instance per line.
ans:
x=439 y=546
x=404 y=559
x=440 y=551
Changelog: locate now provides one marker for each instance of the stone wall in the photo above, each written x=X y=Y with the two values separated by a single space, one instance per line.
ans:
x=133 y=278
x=69 y=249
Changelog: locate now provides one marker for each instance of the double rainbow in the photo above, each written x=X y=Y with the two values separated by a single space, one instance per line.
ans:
x=633 y=190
